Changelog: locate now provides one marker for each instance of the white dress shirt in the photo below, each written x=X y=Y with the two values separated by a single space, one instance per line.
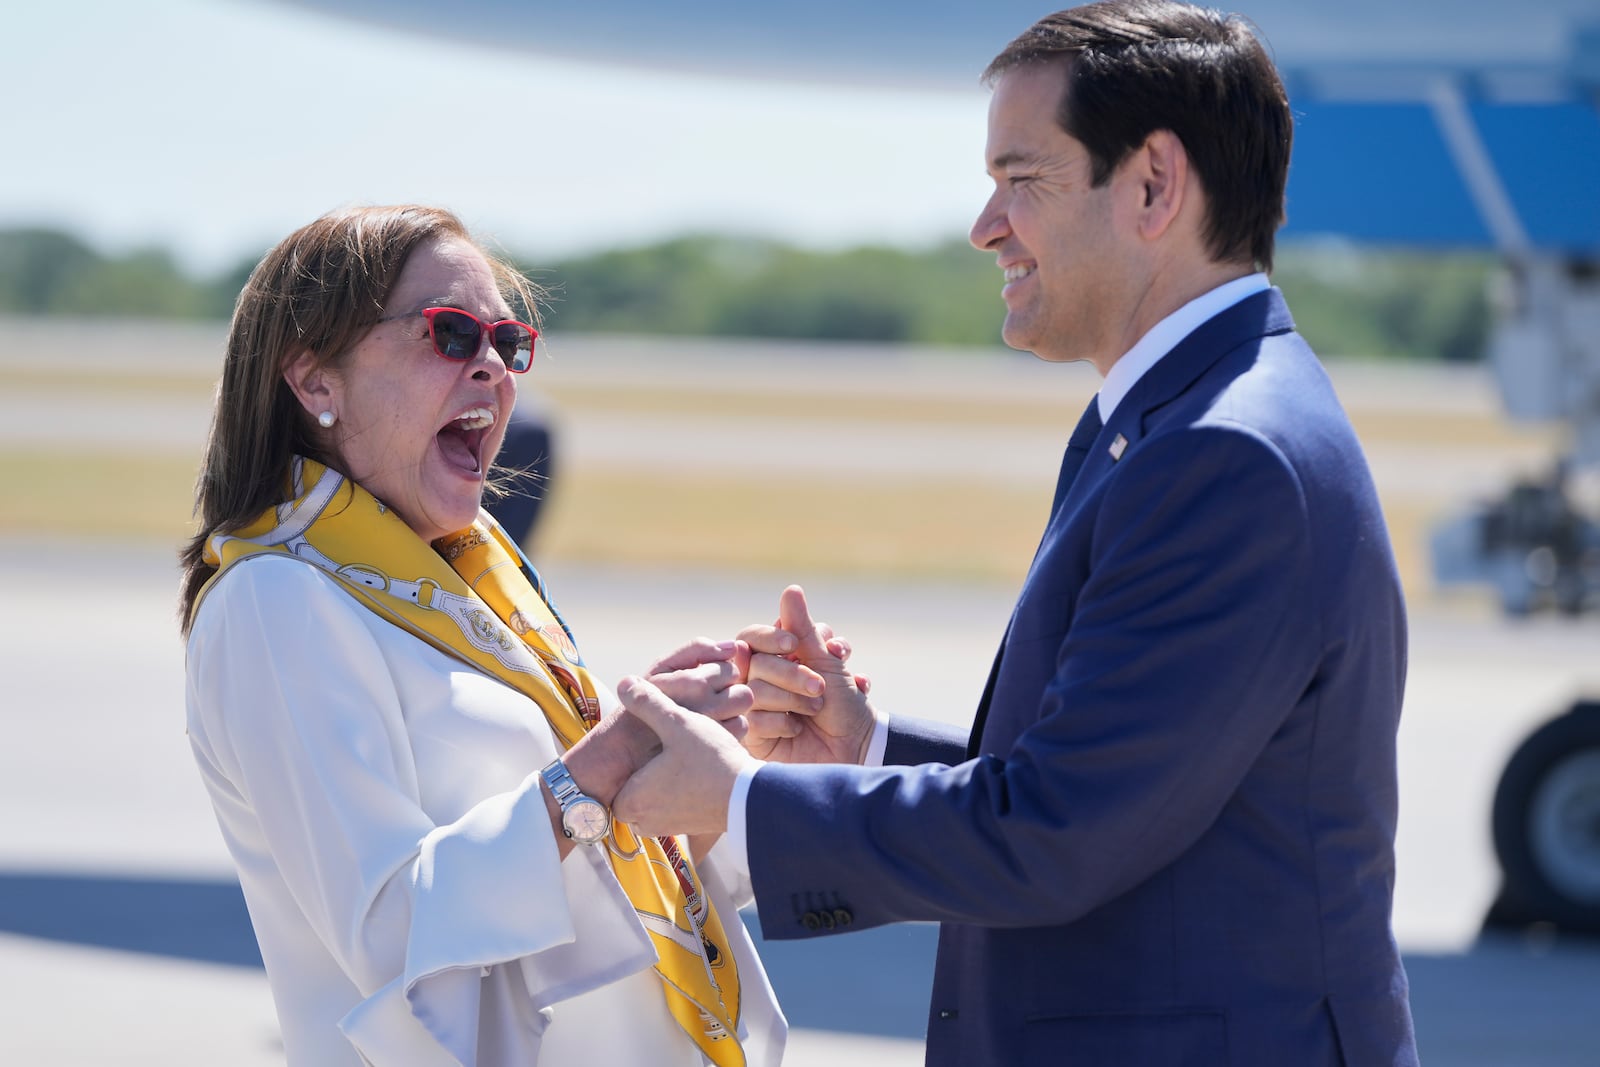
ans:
x=382 y=804
x=1161 y=338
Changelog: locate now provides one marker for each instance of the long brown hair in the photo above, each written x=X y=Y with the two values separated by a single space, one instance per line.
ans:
x=321 y=289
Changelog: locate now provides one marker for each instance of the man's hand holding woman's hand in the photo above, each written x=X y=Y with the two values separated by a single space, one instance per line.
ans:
x=783 y=690
x=704 y=676
x=708 y=677
x=685 y=789
x=809 y=707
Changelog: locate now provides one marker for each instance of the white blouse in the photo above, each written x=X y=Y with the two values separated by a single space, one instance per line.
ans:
x=381 y=801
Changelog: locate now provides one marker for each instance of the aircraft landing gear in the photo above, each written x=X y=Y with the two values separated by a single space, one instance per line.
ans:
x=1547 y=825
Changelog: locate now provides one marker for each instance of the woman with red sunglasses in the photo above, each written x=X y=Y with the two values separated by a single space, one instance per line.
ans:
x=408 y=760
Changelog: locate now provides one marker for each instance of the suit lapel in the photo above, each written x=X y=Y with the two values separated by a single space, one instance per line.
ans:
x=1079 y=445
x=1175 y=373
x=1254 y=317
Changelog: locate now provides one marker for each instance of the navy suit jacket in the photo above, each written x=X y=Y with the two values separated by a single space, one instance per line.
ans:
x=1170 y=838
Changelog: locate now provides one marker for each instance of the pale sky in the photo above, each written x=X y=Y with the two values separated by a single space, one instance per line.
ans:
x=215 y=127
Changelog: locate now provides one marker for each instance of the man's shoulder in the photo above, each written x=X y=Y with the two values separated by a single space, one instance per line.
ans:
x=1261 y=379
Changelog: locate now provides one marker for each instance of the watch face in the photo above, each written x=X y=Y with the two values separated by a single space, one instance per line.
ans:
x=586 y=820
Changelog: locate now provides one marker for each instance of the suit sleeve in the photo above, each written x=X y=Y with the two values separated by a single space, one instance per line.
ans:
x=913 y=741
x=1192 y=636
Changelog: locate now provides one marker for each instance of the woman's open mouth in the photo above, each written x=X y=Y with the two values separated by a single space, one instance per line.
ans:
x=461 y=439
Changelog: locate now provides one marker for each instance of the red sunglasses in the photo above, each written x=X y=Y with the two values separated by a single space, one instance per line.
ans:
x=458 y=336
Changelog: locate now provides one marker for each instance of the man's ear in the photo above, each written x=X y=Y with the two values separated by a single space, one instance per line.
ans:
x=311 y=382
x=1163 y=174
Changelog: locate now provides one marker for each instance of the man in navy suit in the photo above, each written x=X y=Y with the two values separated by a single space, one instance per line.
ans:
x=1169 y=837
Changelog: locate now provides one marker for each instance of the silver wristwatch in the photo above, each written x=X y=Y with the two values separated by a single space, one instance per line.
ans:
x=583 y=818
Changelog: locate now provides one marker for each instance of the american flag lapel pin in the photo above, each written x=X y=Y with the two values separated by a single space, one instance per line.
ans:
x=1119 y=445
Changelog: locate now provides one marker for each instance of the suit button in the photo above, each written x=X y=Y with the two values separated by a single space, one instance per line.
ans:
x=827 y=919
x=843 y=917
x=810 y=920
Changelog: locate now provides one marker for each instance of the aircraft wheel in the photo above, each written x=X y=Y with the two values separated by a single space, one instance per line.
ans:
x=1547 y=822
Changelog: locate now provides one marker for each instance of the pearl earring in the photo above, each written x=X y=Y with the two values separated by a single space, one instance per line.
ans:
x=327 y=419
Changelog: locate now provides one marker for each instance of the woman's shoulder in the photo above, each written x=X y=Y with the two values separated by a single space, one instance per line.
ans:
x=271 y=623
x=268 y=575
x=269 y=588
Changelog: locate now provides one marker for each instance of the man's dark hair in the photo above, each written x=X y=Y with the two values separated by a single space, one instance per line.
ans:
x=1137 y=66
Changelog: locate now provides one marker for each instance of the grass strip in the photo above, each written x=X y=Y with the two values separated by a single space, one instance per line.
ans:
x=965 y=531
x=1046 y=411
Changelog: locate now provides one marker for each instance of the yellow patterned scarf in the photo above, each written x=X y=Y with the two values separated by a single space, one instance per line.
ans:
x=477 y=599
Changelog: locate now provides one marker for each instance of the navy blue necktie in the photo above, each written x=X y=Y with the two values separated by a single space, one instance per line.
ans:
x=1078 y=445
x=1083 y=435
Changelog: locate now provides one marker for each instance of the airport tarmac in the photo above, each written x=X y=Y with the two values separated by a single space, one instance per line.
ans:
x=123 y=941
x=122 y=934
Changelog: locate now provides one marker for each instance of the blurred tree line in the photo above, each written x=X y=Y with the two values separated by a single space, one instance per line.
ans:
x=1347 y=301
